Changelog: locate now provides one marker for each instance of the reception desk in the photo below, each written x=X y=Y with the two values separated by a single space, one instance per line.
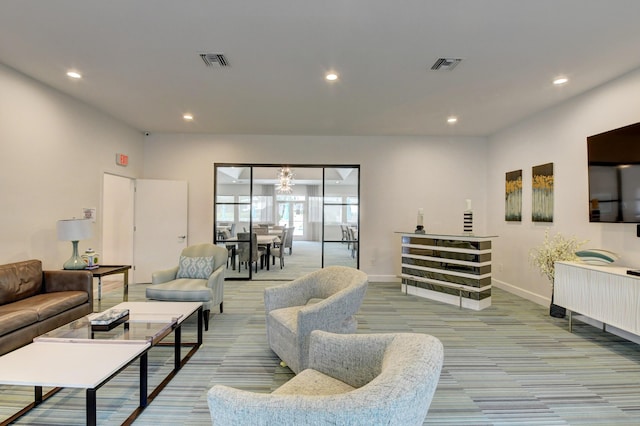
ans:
x=454 y=269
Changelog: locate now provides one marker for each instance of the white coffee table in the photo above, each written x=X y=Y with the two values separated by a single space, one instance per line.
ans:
x=76 y=356
x=64 y=365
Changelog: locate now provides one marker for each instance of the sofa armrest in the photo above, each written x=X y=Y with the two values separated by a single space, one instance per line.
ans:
x=329 y=314
x=229 y=406
x=355 y=359
x=68 y=281
x=216 y=278
x=216 y=284
x=53 y=281
x=164 y=276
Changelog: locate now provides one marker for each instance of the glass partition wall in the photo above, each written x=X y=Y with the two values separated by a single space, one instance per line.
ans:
x=279 y=222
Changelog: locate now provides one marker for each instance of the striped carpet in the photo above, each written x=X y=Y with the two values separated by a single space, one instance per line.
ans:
x=510 y=364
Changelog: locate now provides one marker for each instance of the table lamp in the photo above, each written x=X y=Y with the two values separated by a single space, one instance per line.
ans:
x=74 y=230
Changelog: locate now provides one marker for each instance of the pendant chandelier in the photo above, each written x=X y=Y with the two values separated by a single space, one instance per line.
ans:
x=285 y=181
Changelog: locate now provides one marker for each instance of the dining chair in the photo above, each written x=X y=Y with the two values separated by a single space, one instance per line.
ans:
x=249 y=252
x=278 y=248
x=288 y=242
x=261 y=230
x=354 y=241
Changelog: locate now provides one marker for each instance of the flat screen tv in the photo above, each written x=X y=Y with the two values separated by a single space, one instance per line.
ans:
x=614 y=175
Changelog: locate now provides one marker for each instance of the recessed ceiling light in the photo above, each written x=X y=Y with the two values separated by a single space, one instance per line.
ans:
x=560 y=80
x=74 y=74
x=452 y=120
x=188 y=117
x=331 y=76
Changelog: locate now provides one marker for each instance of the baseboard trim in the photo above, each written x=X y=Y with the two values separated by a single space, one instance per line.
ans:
x=525 y=294
x=384 y=279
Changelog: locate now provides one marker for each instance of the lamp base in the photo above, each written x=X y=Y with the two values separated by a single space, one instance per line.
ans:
x=75 y=262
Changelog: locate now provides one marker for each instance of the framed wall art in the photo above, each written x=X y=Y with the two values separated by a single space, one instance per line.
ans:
x=542 y=193
x=513 y=196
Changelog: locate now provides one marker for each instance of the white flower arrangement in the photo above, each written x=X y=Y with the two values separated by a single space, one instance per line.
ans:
x=556 y=249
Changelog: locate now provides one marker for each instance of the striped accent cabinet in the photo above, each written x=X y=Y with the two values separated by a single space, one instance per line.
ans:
x=454 y=269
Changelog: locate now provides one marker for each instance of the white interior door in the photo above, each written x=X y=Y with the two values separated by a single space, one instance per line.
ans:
x=160 y=225
x=117 y=223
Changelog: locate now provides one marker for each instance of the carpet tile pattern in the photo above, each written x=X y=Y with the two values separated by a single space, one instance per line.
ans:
x=510 y=364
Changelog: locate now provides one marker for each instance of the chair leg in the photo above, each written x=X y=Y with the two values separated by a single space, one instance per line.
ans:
x=206 y=319
x=221 y=303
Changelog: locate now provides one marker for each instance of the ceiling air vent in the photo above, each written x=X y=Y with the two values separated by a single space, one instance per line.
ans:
x=216 y=60
x=445 y=64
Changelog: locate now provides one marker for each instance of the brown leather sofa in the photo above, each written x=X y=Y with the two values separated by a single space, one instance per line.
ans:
x=33 y=301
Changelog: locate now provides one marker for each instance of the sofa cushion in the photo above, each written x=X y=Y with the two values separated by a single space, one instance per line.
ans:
x=312 y=382
x=11 y=321
x=47 y=305
x=287 y=317
x=195 y=267
x=183 y=289
x=20 y=280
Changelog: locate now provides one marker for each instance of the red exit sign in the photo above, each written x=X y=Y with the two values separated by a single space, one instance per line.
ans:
x=122 y=160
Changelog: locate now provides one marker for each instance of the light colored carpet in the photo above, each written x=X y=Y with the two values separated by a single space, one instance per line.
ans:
x=510 y=364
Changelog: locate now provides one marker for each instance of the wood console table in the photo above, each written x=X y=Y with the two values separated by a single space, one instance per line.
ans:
x=604 y=293
x=453 y=269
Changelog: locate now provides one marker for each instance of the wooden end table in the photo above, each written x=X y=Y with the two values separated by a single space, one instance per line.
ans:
x=104 y=270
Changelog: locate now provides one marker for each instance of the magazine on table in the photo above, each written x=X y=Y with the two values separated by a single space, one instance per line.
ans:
x=109 y=316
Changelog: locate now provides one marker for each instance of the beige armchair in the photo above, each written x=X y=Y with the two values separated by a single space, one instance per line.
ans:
x=327 y=299
x=199 y=277
x=354 y=379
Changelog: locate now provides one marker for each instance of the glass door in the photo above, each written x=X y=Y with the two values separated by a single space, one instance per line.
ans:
x=232 y=218
x=319 y=210
x=291 y=213
x=341 y=216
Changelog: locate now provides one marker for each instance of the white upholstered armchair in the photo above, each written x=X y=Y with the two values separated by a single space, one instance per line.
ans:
x=327 y=299
x=355 y=379
x=199 y=277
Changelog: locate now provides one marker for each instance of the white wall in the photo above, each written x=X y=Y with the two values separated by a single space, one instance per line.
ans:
x=557 y=135
x=54 y=151
x=398 y=176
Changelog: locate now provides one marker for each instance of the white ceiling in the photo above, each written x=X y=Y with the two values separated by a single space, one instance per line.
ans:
x=140 y=60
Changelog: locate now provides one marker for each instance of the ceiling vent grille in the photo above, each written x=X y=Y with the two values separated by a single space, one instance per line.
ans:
x=215 y=60
x=445 y=64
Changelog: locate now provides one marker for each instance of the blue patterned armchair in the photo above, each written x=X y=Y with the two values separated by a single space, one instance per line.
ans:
x=199 y=277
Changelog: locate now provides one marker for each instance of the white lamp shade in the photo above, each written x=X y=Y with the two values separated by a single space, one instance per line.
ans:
x=74 y=229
